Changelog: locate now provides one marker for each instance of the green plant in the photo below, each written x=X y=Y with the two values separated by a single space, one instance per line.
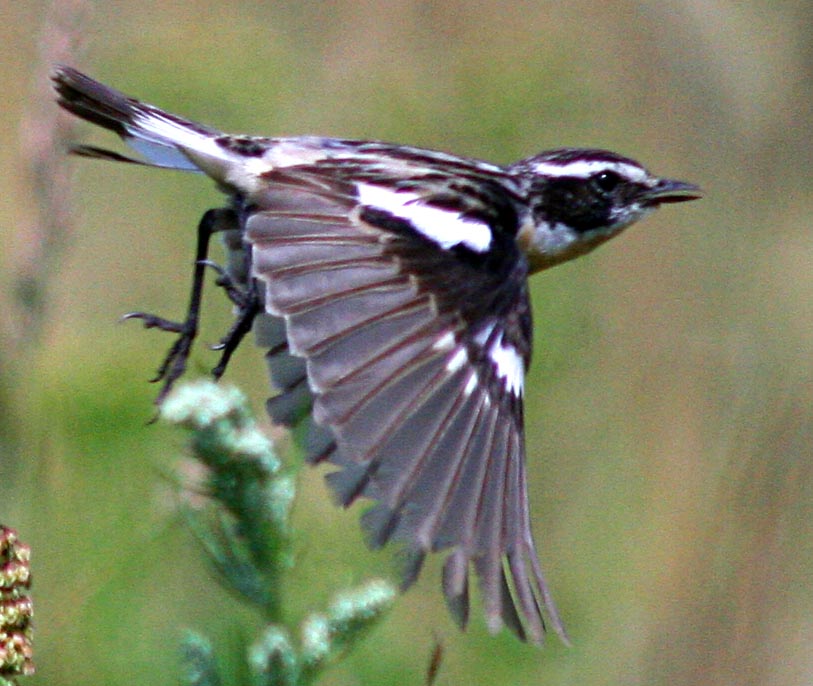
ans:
x=243 y=525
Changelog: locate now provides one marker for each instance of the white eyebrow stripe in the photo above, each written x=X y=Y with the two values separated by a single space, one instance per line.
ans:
x=583 y=169
x=444 y=227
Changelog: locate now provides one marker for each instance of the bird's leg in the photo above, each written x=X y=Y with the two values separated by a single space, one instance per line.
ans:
x=174 y=364
x=248 y=304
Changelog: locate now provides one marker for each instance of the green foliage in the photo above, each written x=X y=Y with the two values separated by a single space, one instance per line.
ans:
x=245 y=530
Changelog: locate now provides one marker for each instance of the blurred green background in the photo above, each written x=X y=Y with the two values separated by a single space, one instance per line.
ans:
x=669 y=405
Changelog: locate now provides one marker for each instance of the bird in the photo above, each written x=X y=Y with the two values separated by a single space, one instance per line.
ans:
x=388 y=285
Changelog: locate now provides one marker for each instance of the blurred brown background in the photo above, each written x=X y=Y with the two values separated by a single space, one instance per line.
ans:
x=669 y=405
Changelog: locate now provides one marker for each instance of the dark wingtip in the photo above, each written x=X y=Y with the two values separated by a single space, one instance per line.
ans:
x=348 y=483
x=410 y=561
x=319 y=442
x=546 y=600
x=289 y=408
x=510 y=616
x=456 y=587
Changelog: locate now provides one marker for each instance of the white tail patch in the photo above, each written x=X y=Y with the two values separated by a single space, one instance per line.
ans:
x=165 y=142
x=444 y=227
x=176 y=144
x=150 y=125
x=161 y=155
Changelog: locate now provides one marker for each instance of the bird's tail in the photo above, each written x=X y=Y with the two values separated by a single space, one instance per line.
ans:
x=162 y=138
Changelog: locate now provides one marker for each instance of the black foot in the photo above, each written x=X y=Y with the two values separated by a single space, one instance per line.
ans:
x=174 y=364
x=247 y=309
x=247 y=303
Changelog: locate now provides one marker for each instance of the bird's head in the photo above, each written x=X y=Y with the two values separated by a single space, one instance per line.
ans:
x=580 y=198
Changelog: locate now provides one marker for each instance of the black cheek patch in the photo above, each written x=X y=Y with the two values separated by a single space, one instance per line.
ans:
x=572 y=202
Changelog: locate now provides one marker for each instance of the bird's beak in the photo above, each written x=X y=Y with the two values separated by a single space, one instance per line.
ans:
x=666 y=190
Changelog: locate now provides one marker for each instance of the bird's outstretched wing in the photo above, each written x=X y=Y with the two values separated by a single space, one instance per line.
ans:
x=414 y=356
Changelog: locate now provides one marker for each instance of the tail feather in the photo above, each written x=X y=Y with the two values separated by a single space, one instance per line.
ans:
x=162 y=138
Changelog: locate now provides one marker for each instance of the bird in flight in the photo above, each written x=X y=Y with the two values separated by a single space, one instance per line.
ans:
x=389 y=285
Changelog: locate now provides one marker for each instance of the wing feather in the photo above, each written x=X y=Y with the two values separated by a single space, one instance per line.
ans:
x=382 y=412
x=405 y=480
x=400 y=371
x=387 y=431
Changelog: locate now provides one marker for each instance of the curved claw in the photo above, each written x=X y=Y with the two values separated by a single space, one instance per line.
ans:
x=174 y=364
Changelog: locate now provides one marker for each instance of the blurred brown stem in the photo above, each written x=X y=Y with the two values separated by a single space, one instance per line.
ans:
x=43 y=134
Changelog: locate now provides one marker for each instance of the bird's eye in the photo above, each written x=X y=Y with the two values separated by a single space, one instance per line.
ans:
x=607 y=181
